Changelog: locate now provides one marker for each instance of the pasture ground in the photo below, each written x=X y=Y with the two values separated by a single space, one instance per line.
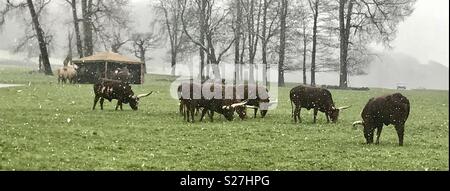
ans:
x=46 y=126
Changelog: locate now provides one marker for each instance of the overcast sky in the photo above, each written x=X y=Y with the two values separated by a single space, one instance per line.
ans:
x=425 y=33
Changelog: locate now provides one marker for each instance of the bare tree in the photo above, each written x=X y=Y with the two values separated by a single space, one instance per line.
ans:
x=253 y=28
x=282 y=49
x=99 y=18
x=142 y=42
x=214 y=35
x=269 y=14
x=376 y=19
x=172 y=12
x=314 y=4
x=76 y=27
x=237 y=25
x=38 y=31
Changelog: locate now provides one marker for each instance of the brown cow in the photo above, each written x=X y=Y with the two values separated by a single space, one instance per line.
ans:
x=257 y=96
x=315 y=98
x=67 y=73
x=112 y=89
x=389 y=109
x=194 y=95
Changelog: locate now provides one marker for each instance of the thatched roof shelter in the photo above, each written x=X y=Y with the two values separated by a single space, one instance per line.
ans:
x=103 y=65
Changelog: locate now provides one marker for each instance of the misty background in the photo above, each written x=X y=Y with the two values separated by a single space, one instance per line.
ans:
x=418 y=56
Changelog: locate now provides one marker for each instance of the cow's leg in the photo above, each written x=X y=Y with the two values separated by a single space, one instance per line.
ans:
x=204 y=111
x=192 y=114
x=121 y=109
x=181 y=108
x=186 y=111
x=118 y=104
x=295 y=114
x=256 y=111
x=328 y=118
x=211 y=115
x=95 y=101
x=379 y=129
x=315 y=114
x=298 y=114
x=101 y=103
x=368 y=133
x=400 y=132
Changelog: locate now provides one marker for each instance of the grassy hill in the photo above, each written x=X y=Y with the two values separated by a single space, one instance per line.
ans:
x=46 y=126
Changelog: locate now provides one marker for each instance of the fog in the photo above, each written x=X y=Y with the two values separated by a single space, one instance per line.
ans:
x=418 y=57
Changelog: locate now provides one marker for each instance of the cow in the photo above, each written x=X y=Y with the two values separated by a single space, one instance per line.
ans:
x=193 y=95
x=389 y=109
x=257 y=96
x=226 y=105
x=315 y=98
x=113 y=89
x=122 y=74
x=67 y=73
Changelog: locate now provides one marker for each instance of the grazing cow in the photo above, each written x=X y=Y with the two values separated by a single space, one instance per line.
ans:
x=257 y=96
x=67 y=73
x=315 y=98
x=226 y=105
x=112 y=89
x=192 y=96
x=390 y=109
x=122 y=74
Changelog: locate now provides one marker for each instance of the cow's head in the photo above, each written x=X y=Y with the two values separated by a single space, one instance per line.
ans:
x=134 y=100
x=334 y=113
x=228 y=110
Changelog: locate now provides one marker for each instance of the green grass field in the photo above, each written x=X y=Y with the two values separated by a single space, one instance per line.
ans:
x=46 y=126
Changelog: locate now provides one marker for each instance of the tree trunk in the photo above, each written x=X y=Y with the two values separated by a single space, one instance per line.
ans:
x=305 y=41
x=173 y=62
x=202 y=39
x=237 y=42
x=77 y=29
x=314 y=41
x=69 y=38
x=241 y=60
x=40 y=36
x=282 y=42
x=264 y=44
x=40 y=63
x=344 y=31
x=142 y=57
x=87 y=27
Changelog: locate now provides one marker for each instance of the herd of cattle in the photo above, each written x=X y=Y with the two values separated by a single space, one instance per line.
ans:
x=211 y=97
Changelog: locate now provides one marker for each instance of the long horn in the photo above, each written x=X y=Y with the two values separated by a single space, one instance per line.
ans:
x=251 y=107
x=344 y=107
x=273 y=102
x=357 y=123
x=239 y=104
x=144 y=95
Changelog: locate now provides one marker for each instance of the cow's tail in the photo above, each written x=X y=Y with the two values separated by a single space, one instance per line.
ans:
x=357 y=123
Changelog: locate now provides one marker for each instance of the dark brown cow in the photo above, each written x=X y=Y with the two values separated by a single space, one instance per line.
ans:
x=390 y=109
x=315 y=98
x=122 y=74
x=192 y=96
x=257 y=96
x=112 y=89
